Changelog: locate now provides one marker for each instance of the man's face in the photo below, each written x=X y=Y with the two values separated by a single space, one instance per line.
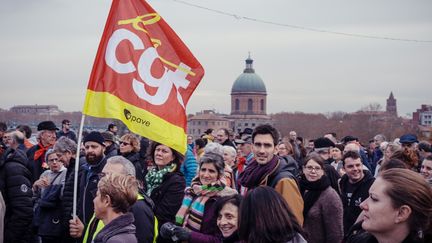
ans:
x=354 y=170
x=246 y=149
x=325 y=154
x=378 y=140
x=64 y=158
x=66 y=126
x=293 y=135
x=7 y=139
x=48 y=137
x=114 y=130
x=94 y=152
x=263 y=148
x=221 y=136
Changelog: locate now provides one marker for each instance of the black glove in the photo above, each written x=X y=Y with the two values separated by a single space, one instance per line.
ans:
x=167 y=230
x=182 y=233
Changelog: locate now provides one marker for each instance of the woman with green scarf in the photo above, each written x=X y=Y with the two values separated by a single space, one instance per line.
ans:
x=165 y=182
x=196 y=219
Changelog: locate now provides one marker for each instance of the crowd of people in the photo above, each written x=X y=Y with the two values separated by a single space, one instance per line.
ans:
x=256 y=186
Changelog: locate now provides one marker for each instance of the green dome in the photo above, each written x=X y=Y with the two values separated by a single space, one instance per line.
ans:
x=248 y=81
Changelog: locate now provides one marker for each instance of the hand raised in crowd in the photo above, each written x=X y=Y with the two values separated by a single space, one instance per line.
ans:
x=76 y=227
x=42 y=182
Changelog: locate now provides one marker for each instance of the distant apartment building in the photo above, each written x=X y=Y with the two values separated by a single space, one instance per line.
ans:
x=423 y=116
x=36 y=109
x=204 y=120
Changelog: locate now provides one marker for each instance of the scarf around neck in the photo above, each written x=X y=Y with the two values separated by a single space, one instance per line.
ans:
x=191 y=212
x=255 y=173
x=154 y=177
x=40 y=153
x=311 y=191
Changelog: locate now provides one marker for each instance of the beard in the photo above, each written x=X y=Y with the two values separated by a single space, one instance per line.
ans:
x=93 y=158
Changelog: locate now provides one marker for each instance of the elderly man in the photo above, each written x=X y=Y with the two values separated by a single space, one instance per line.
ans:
x=36 y=154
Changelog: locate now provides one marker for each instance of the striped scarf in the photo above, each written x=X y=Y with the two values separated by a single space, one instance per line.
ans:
x=191 y=212
x=154 y=177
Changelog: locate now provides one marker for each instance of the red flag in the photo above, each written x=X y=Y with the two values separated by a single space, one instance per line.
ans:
x=143 y=75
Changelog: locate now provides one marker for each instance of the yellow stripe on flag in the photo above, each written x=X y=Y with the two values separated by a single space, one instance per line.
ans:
x=139 y=121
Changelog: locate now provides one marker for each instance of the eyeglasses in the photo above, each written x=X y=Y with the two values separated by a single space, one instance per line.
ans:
x=53 y=160
x=266 y=145
x=124 y=143
x=311 y=168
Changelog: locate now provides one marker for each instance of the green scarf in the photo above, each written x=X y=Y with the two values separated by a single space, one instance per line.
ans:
x=154 y=177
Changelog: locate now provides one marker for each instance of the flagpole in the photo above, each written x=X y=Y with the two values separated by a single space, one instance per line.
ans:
x=75 y=191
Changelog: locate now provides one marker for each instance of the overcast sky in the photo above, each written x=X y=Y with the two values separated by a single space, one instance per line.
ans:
x=47 y=50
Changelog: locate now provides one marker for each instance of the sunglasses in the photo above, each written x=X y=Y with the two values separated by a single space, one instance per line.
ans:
x=124 y=143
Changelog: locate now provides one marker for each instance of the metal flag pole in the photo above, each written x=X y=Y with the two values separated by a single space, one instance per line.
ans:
x=75 y=188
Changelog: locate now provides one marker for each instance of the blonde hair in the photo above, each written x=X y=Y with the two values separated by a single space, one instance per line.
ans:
x=133 y=140
x=122 y=190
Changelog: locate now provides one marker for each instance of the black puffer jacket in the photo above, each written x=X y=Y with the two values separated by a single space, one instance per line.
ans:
x=352 y=206
x=168 y=197
x=67 y=199
x=15 y=185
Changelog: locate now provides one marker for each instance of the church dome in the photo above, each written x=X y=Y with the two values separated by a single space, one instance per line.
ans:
x=249 y=81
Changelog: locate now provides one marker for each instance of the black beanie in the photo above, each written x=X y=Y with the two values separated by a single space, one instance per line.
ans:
x=94 y=137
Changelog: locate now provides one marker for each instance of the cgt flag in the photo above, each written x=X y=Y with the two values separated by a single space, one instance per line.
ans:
x=143 y=75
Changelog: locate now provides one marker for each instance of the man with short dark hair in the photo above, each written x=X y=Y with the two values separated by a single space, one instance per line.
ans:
x=88 y=178
x=222 y=137
x=113 y=128
x=354 y=187
x=66 y=131
x=95 y=161
x=36 y=154
x=266 y=169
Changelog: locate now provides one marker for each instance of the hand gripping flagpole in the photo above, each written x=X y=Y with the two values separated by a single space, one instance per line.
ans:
x=75 y=188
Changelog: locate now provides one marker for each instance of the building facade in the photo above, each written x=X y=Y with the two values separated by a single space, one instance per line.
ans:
x=36 y=109
x=248 y=100
x=248 y=106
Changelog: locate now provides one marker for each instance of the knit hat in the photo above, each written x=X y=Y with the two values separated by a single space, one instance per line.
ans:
x=94 y=137
x=108 y=136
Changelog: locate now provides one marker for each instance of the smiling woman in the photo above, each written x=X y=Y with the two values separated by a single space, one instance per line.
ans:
x=196 y=217
x=227 y=209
